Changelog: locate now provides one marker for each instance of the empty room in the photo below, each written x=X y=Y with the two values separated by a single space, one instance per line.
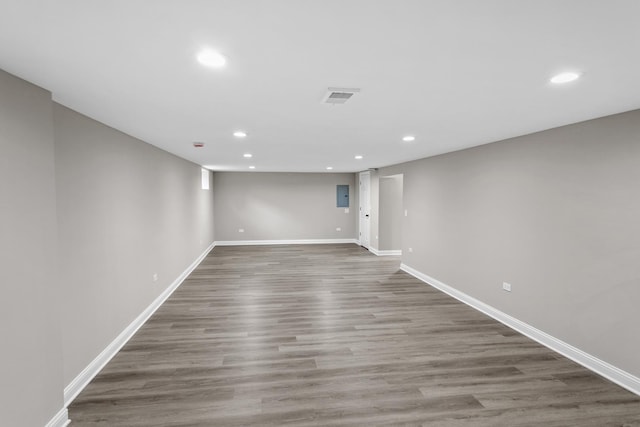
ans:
x=319 y=213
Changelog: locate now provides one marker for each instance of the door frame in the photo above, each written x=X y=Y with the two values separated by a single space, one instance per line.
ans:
x=364 y=211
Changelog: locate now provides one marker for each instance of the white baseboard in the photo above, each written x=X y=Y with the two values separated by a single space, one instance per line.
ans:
x=282 y=242
x=612 y=373
x=72 y=390
x=61 y=419
x=388 y=252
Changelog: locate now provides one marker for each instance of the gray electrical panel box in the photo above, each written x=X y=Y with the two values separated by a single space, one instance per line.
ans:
x=342 y=192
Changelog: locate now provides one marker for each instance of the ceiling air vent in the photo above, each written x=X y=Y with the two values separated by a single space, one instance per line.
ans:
x=338 y=95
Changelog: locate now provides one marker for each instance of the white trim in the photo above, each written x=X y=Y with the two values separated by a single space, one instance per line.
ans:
x=387 y=252
x=72 y=390
x=364 y=209
x=61 y=419
x=283 y=242
x=612 y=373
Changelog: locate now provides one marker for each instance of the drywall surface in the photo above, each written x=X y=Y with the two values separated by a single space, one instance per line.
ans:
x=390 y=212
x=31 y=357
x=282 y=206
x=555 y=214
x=126 y=211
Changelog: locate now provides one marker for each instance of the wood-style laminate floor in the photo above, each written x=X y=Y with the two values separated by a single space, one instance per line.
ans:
x=321 y=335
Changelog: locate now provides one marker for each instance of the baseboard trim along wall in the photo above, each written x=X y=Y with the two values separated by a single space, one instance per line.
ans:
x=283 y=242
x=72 y=390
x=61 y=419
x=388 y=252
x=612 y=373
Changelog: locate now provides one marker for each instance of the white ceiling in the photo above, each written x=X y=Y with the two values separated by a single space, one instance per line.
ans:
x=453 y=73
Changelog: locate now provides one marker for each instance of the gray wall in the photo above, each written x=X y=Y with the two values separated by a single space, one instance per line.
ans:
x=554 y=213
x=390 y=212
x=31 y=358
x=126 y=210
x=87 y=216
x=282 y=206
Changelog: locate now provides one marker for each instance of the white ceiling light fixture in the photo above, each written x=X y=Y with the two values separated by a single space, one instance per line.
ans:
x=252 y=167
x=240 y=134
x=358 y=157
x=329 y=168
x=409 y=138
x=248 y=155
x=211 y=58
x=566 y=77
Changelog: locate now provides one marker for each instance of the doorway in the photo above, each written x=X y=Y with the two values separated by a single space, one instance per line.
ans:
x=390 y=214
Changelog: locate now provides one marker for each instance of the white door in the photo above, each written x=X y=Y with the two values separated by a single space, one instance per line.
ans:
x=365 y=209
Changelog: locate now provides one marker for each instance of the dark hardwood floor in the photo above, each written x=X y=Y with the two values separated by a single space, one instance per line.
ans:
x=332 y=335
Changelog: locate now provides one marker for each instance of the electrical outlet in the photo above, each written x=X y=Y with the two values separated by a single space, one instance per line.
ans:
x=410 y=250
x=346 y=210
x=506 y=286
x=155 y=277
x=240 y=230
x=406 y=212
x=338 y=229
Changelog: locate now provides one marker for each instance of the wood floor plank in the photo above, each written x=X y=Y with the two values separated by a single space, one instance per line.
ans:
x=322 y=335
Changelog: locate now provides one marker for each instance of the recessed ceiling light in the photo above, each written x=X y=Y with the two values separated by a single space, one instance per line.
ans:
x=358 y=157
x=247 y=155
x=564 y=77
x=211 y=58
x=409 y=138
x=239 y=134
x=329 y=168
x=252 y=167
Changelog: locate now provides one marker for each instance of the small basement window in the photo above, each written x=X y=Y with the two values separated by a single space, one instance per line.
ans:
x=205 y=178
